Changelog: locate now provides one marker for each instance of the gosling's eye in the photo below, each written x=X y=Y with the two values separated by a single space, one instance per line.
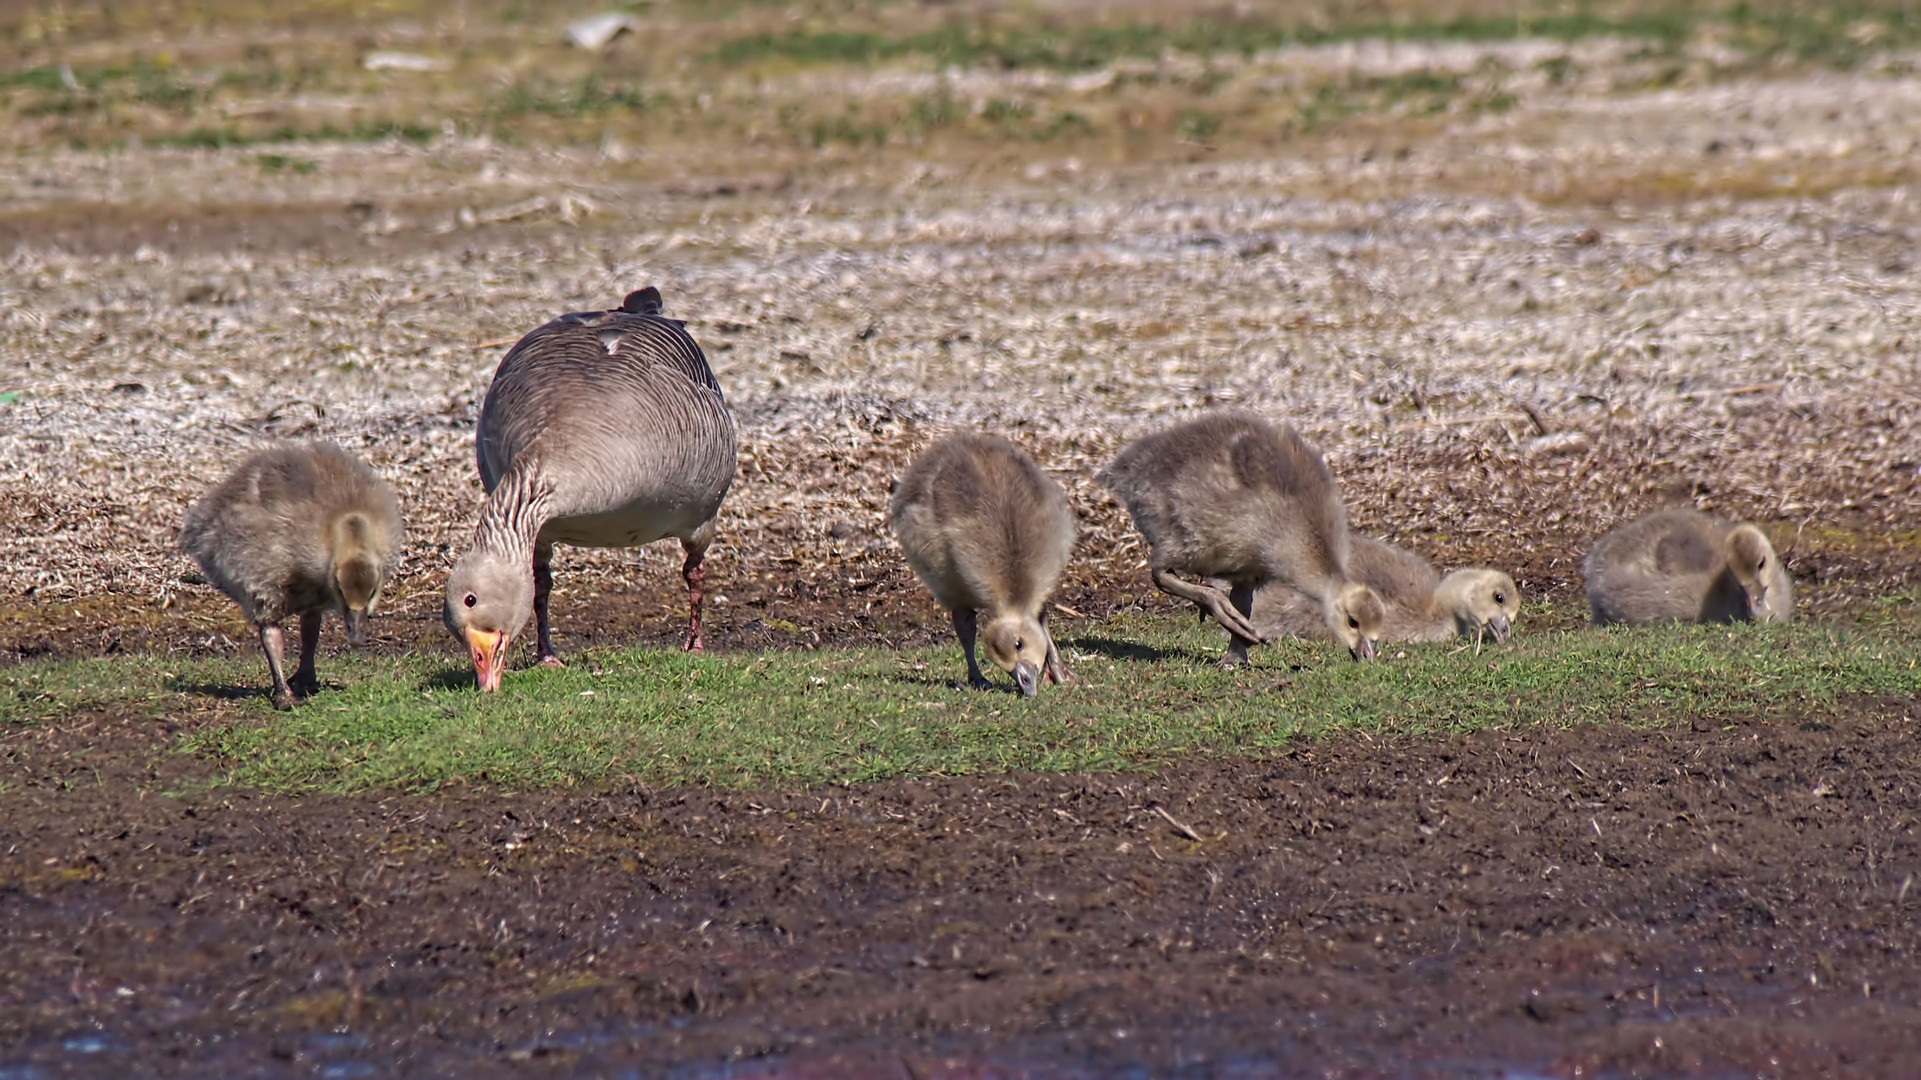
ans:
x=470 y=600
x=1353 y=623
x=1499 y=599
x=1761 y=564
x=1019 y=644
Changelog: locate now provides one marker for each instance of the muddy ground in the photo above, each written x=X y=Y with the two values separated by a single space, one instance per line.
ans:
x=1597 y=902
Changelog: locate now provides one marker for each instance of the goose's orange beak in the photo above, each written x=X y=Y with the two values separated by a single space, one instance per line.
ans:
x=489 y=648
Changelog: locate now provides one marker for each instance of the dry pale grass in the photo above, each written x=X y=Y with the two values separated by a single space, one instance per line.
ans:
x=1500 y=359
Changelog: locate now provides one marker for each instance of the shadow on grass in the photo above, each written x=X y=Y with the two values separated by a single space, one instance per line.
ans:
x=956 y=685
x=221 y=692
x=1134 y=650
x=452 y=679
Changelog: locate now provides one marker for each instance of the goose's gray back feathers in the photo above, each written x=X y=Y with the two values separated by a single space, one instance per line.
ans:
x=618 y=424
x=1681 y=565
x=267 y=533
x=982 y=525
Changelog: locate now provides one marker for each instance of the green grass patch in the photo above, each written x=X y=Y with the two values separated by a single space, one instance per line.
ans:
x=1148 y=689
x=273 y=163
x=1837 y=35
x=209 y=138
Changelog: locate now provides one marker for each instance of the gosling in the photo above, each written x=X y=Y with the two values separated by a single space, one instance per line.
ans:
x=299 y=530
x=1682 y=565
x=987 y=531
x=1232 y=496
x=1421 y=604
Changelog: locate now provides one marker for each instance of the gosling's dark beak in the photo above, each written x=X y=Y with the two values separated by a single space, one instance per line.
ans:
x=489 y=650
x=1366 y=650
x=1501 y=628
x=356 y=626
x=1028 y=678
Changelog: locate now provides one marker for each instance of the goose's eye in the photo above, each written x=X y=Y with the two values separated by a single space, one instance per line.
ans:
x=470 y=600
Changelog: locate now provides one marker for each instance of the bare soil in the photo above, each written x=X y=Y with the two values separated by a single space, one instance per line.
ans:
x=1594 y=902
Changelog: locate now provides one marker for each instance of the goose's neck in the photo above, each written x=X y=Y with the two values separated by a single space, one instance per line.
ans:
x=510 y=522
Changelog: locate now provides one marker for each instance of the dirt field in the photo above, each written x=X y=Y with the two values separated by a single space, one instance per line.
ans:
x=1511 y=317
x=1737 y=902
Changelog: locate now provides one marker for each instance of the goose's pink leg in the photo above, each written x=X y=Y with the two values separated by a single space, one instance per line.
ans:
x=694 y=572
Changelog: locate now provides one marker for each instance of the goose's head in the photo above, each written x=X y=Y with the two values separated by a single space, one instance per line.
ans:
x=489 y=599
x=1357 y=618
x=1759 y=569
x=1017 y=644
x=1481 y=600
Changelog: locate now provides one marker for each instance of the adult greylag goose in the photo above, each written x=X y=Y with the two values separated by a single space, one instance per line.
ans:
x=600 y=429
x=988 y=532
x=1231 y=496
x=1682 y=565
x=1421 y=605
x=301 y=529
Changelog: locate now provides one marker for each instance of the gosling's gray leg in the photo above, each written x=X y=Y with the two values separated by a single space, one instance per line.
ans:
x=306 y=681
x=1242 y=597
x=964 y=628
x=1209 y=598
x=273 y=642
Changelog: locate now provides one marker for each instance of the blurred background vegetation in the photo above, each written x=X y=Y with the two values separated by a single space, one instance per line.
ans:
x=1117 y=81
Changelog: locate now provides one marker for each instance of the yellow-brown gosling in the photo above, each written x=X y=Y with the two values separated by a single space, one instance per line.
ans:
x=1232 y=496
x=1421 y=605
x=1682 y=565
x=299 y=530
x=988 y=533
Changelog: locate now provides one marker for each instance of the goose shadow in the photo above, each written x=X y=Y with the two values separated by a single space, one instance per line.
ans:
x=239 y=692
x=1133 y=650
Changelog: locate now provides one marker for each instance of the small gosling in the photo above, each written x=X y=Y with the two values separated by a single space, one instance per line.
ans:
x=1682 y=565
x=299 y=530
x=1231 y=496
x=1421 y=605
x=987 y=531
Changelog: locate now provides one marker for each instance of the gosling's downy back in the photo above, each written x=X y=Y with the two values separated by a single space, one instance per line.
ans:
x=296 y=528
x=982 y=525
x=1682 y=565
x=1231 y=496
